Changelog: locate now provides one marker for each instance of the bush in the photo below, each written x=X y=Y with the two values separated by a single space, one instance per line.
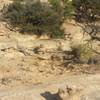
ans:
x=82 y=52
x=35 y=18
x=86 y=10
x=64 y=6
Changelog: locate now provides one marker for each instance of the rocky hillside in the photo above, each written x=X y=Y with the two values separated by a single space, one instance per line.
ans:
x=34 y=68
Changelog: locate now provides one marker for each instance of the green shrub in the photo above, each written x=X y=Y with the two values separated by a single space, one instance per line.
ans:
x=35 y=18
x=64 y=6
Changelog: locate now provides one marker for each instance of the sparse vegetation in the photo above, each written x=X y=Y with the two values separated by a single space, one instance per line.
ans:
x=87 y=10
x=35 y=18
x=82 y=53
x=34 y=68
x=88 y=13
x=47 y=18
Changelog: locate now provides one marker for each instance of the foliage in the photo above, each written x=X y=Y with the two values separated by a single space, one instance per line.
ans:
x=35 y=17
x=82 y=52
x=87 y=10
x=64 y=6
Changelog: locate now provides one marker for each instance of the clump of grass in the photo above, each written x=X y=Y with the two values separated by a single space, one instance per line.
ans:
x=82 y=52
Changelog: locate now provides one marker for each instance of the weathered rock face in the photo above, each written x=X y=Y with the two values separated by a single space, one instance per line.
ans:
x=75 y=32
x=27 y=59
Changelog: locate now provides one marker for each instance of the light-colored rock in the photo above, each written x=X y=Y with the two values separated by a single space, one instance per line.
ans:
x=76 y=32
x=95 y=95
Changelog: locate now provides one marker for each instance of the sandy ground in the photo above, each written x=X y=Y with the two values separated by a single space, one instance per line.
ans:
x=25 y=75
x=82 y=85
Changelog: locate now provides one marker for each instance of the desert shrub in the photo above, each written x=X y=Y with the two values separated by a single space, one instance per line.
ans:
x=34 y=18
x=64 y=6
x=82 y=53
x=86 y=10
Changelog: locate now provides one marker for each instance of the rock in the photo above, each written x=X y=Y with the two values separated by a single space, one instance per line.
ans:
x=44 y=56
x=7 y=45
x=57 y=56
x=68 y=93
x=4 y=2
x=91 y=96
x=65 y=45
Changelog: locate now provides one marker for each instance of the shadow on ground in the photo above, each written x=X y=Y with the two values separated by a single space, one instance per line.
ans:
x=49 y=96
